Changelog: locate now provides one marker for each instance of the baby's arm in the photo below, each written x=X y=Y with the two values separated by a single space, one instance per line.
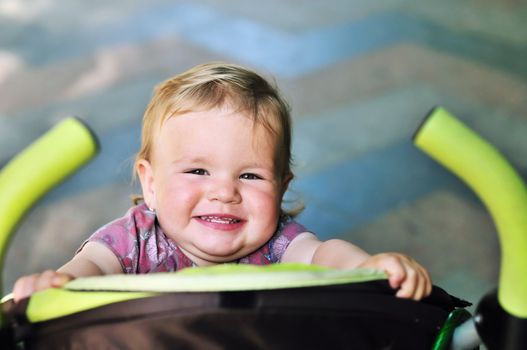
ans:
x=403 y=272
x=94 y=259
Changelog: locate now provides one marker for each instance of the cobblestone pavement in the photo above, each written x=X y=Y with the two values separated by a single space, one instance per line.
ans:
x=360 y=76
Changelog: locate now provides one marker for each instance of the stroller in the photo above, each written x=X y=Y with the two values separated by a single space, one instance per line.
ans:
x=273 y=307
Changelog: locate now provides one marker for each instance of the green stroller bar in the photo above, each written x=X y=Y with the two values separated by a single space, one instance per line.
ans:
x=38 y=168
x=501 y=317
x=497 y=184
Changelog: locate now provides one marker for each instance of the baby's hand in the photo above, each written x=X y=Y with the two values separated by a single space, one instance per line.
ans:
x=27 y=285
x=404 y=273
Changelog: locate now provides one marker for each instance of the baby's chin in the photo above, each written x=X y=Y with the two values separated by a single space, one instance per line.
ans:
x=205 y=257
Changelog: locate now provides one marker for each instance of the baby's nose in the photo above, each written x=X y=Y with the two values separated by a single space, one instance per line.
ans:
x=225 y=191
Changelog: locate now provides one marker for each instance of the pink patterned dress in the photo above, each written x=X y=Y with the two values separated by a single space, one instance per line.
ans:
x=142 y=247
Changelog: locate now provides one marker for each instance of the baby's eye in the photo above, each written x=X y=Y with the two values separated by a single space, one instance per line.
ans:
x=250 y=176
x=197 y=172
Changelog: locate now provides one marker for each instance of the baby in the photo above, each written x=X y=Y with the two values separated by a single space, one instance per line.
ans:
x=214 y=164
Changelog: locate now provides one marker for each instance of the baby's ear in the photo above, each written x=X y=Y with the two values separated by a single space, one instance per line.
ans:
x=146 y=176
x=285 y=182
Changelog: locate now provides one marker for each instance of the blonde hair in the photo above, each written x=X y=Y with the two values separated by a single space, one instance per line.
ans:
x=213 y=85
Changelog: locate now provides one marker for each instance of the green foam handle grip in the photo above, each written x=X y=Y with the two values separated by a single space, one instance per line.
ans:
x=37 y=169
x=484 y=169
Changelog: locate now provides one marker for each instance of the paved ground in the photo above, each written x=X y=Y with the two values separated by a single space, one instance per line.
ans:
x=359 y=74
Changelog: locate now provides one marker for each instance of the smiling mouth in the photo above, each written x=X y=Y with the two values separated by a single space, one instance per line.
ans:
x=219 y=219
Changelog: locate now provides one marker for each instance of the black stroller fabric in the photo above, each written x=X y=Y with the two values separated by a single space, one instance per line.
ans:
x=351 y=316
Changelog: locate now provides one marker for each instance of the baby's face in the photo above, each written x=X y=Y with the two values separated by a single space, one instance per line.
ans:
x=213 y=182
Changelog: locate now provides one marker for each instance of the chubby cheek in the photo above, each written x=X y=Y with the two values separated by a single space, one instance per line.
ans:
x=266 y=206
x=177 y=197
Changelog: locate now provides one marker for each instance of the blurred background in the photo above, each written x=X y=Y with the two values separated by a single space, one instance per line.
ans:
x=360 y=76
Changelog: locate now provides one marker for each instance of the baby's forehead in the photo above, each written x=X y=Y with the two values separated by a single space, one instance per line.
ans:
x=206 y=127
x=207 y=134
x=263 y=123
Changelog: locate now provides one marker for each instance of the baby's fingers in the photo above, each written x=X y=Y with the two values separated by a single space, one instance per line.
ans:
x=417 y=284
x=404 y=274
x=408 y=287
x=391 y=264
x=24 y=287
x=423 y=286
x=396 y=269
x=27 y=285
x=427 y=281
x=43 y=281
